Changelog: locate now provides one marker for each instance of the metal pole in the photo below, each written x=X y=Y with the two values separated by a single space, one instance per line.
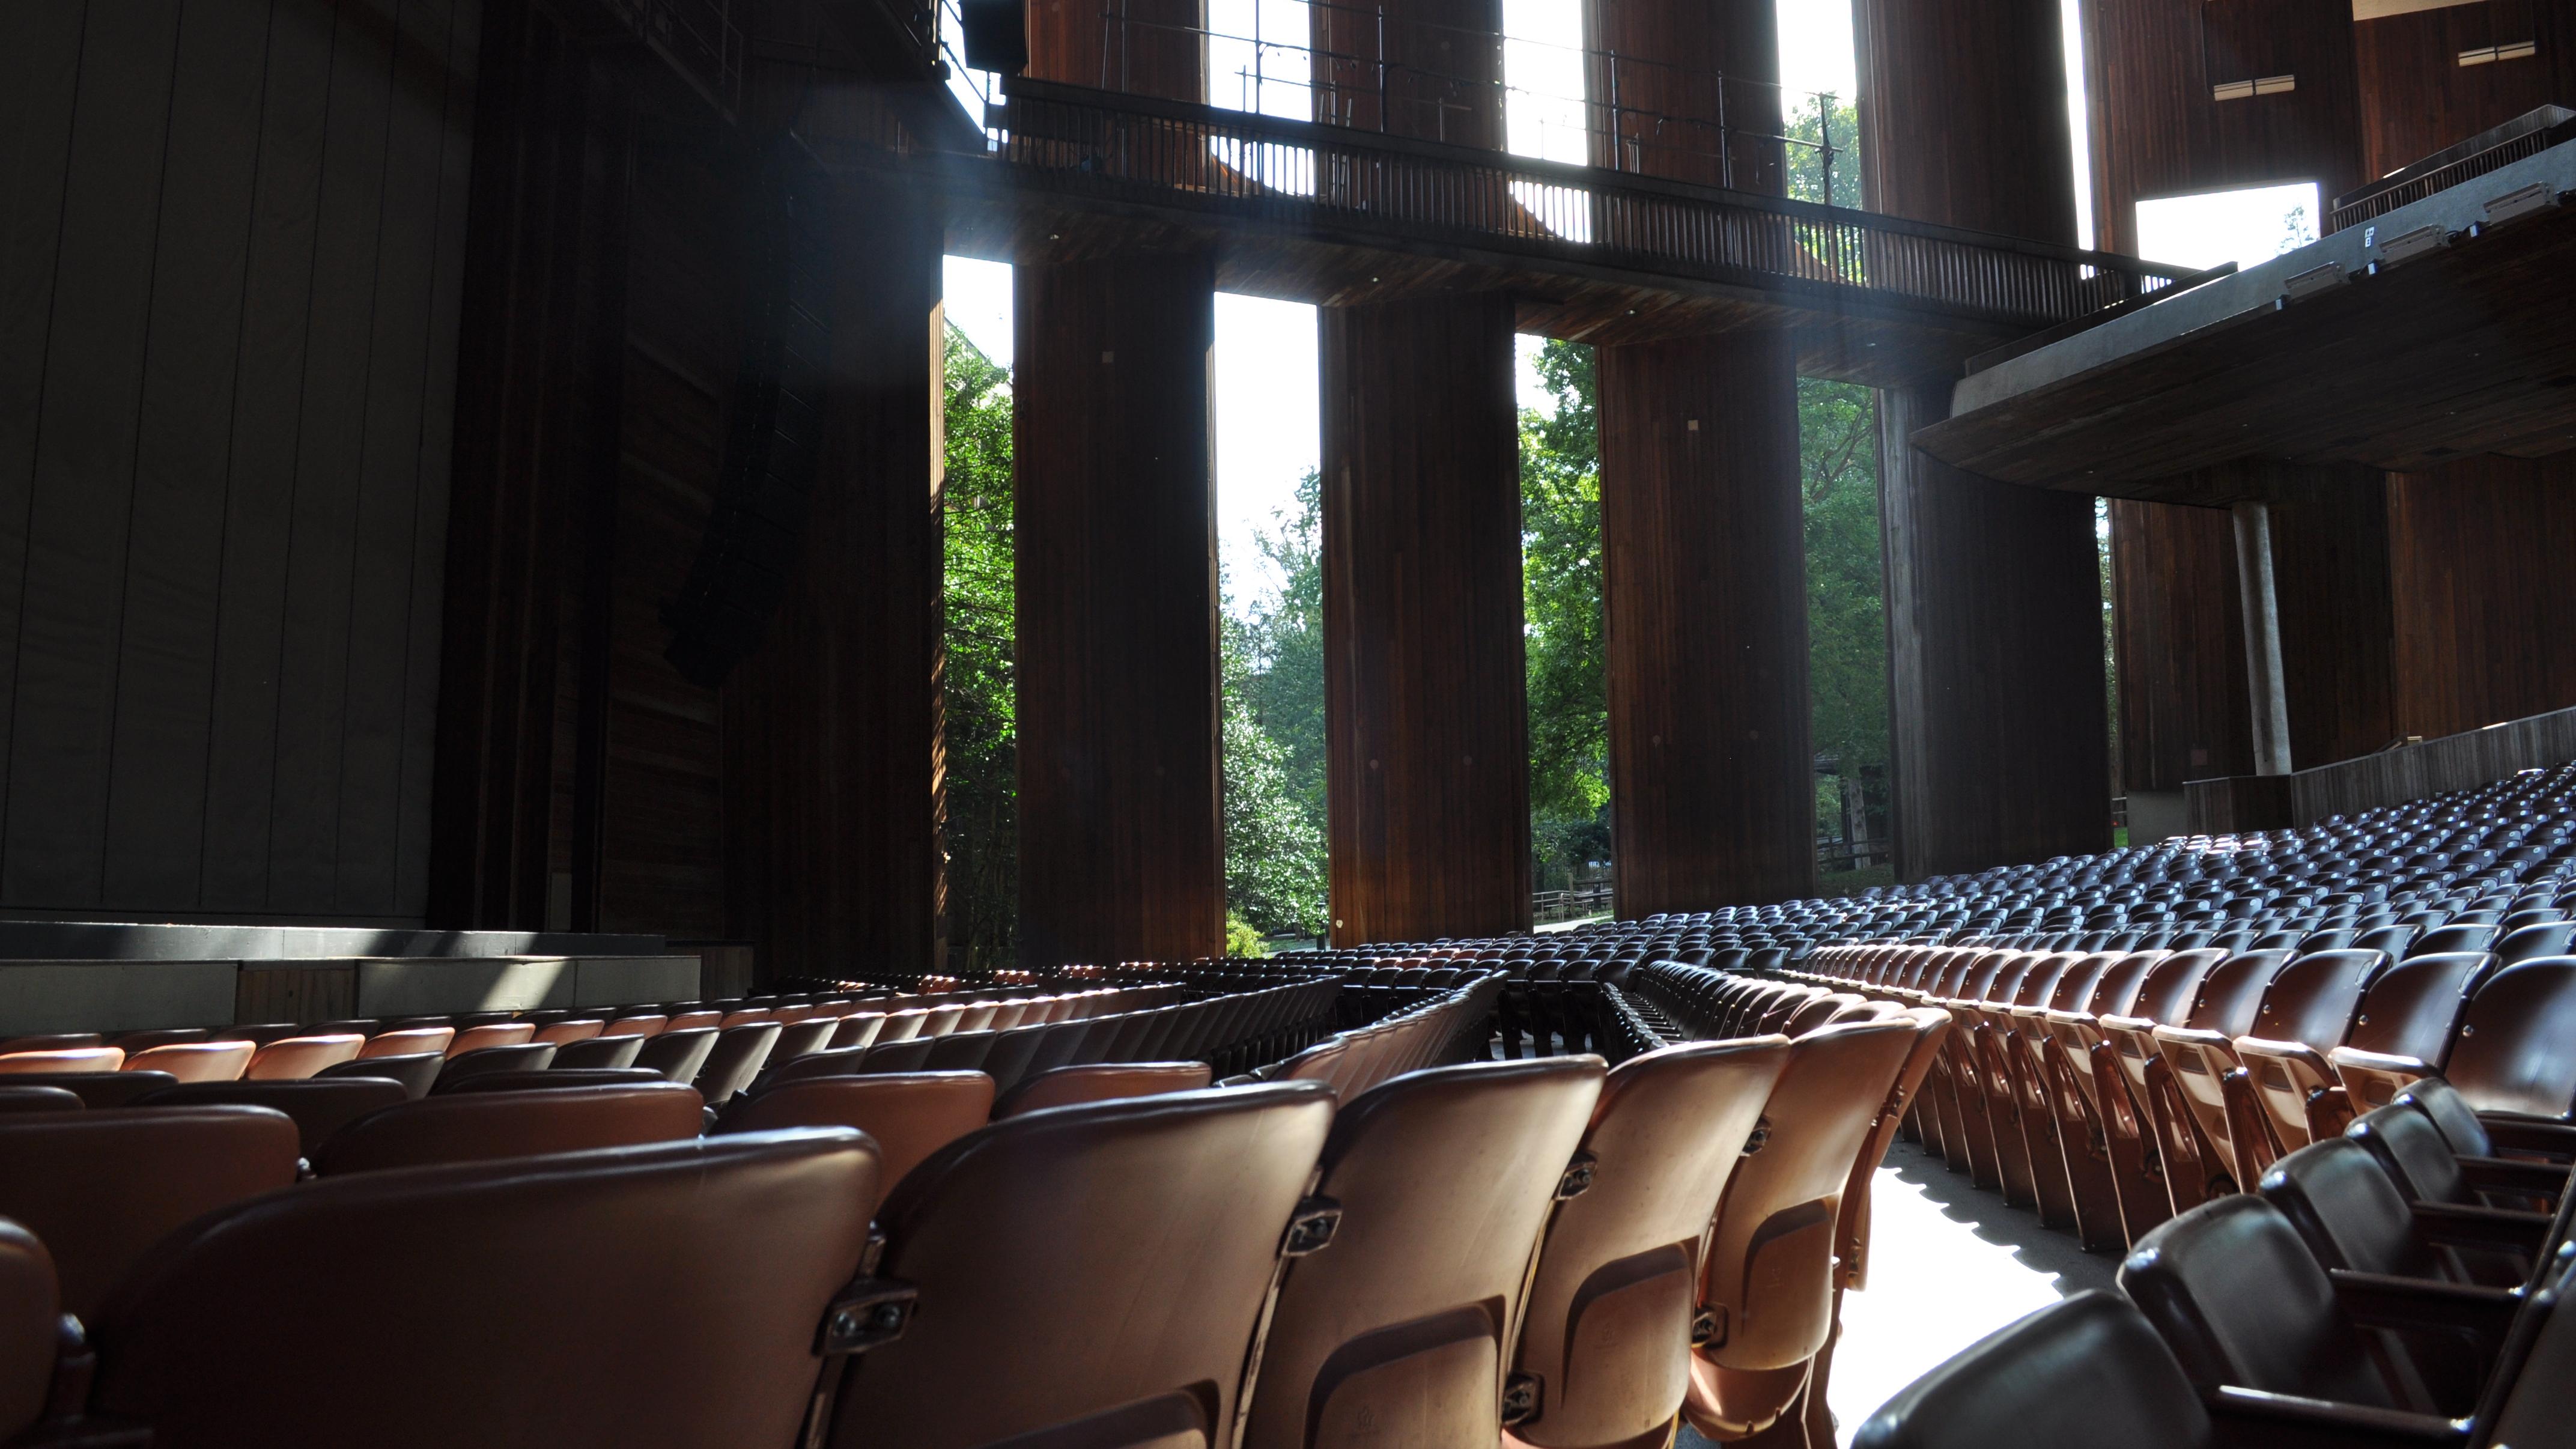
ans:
x=2262 y=638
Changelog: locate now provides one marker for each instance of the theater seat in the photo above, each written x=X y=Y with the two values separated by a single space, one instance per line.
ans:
x=100 y=1187
x=417 y=1071
x=491 y=1034
x=599 y=1051
x=553 y=1079
x=736 y=1058
x=910 y=1114
x=1767 y=1284
x=1444 y=1178
x=678 y=1053
x=566 y=1032
x=1018 y=1236
x=2085 y=1373
x=669 y=1295
x=409 y=1041
x=292 y=1059
x=30 y=1328
x=203 y=1061
x=319 y=1106
x=98 y=1089
x=478 y=1126
x=38 y=1099
x=1100 y=1082
x=1605 y=1342
x=62 y=1059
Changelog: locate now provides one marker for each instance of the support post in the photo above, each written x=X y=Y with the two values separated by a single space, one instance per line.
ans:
x=2263 y=679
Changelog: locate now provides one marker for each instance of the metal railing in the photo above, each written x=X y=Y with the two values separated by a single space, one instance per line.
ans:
x=698 y=37
x=1318 y=178
x=2526 y=135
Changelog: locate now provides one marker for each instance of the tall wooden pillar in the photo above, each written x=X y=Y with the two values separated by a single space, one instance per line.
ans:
x=1999 y=739
x=1424 y=685
x=1122 y=853
x=1712 y=793
x=832 y=726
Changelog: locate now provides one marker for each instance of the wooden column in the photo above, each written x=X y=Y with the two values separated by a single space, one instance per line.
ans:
x=2258 y=604
x=2179 y=630
x=1712 y=793
x=1122 y=852
x=2485 y=629
x=1427 y=729
x=832 y=726
x=1998 y=737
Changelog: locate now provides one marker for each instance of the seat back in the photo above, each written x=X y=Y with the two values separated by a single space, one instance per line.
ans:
x=38 y=1099
x=1606 y=1335
x=1383 y=1327
x=30 y=1328
x=61 y=1061
x=554 y=1079
x=910 y=1114
x=532 y=1056
x=408 y=1041
x=736 y=1058
x=1171 y=1207
x=2511 y=1054
x=2412 y=1008
x=477 y=1126
x=705 y=1337
x=2087 y=1370
x=570 y=1030
x=2171 y=986
x=2235 y=1293
x=678 y=1053
x=491 y=1034
x=417 y=1071
x=2231 y=995
x=318 y=1107
x=1100 y=1082
x=646 y=1024
x=2116 y=990
x=1767 y=1277
x=2313 y=999
x=292 y=1059
x=100 y=1187
x=599 y=1051
x=2348 y=1210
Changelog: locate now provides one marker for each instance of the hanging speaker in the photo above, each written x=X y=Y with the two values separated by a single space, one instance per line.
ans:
x=997 y=34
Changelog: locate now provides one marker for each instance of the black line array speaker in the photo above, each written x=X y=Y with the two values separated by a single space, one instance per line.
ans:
x=997 y=34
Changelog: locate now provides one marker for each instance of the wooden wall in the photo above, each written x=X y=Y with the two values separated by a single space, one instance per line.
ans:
x=1662 y=60
x=1999 y=745
x=1704 y=599
x=1427 y=728
x=2179 y=629
x=2416 y=98
x=2149 y=66
x=2486 y=627
x=230 y=239
x=2330 y=581
x=1122 y=851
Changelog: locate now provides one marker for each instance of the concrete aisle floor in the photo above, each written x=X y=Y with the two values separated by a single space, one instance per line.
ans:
x=1948 y=1265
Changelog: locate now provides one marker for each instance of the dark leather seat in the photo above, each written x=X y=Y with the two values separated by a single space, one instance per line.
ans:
x=1019 y=1236
x=2404 y=1027
x=1444 y=1179
x=416 y=1071
x=600 y=1050
x=293 y=1058
x=524 y=1057
x=476 y=1126
x=38 y=1099
x=2513 y=1051
x=911 y=1114
x=100 y=1187
x=1099 y=1082
x=552 y=1079
x=678 y=1053
x=1605 y=1339
x=2085 y=1373
x=491 y=1034
x=510 y=1330
x=736 y=1058
x=98 y=1089
x=1767 y=1276
x=30 y=1328
x=319 y=1106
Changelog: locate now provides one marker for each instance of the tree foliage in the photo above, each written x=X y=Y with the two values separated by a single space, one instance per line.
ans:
x=1569 y=711
x=1276 y=877
x=977 y=686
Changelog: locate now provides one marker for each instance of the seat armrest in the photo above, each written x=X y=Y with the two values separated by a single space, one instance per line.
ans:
x=2381 y=1300
x=2189 y=1036
x=2514 y=1174
x=2126 y=1023
x=2529 y=1134
x=2381 y=1062
x=2258 y=1046
x=2462 y=1226
x=2257 y=1420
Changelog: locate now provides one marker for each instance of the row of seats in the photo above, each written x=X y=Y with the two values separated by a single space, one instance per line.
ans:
x=2399 y=1283
x=1457 y=1249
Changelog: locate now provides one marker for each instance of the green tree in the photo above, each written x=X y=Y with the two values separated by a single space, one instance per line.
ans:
x=1846 y=610
x=1569 y=712
x=979 y=641
x=1276 y=876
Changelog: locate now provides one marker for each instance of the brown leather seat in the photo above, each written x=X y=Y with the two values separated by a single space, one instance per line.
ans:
x=100 y=1187
x=408 y=1041
x=2513 y=1051
x=292 y=1059
x=417 y=1071
x=552 y=1079
x=530 y=1056
x=1605 y=1339
x=669 y=1295
x=2306 y=1013
x=59 y=1060
x=910 y=1114
x=1100 y=1082
x=736 y=1059
x=1020 y=1237
x=16 y=1098
x=476 y=1126
x=2200 y=1052
x=2403 y=1028
x=46 y=1041
x=643 y=1025
x=318 y=1107
x=1768 y=1275
x=1444 y=1178
x=599 y=1051
x=491 y=1034
x=30 y=1328
x=570 y=1030
x=678 y=1053
x=694 y=1021
x=200 y=1061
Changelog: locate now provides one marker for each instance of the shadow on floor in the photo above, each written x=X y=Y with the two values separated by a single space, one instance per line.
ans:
x=2042 y=1250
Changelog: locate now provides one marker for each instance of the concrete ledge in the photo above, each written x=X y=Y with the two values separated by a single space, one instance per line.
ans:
x=435 y=988
x=614 y=982
x=113 y=995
